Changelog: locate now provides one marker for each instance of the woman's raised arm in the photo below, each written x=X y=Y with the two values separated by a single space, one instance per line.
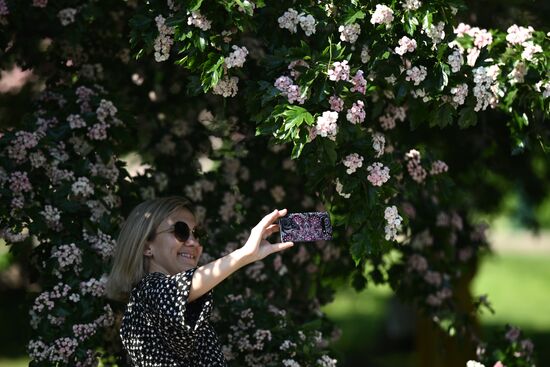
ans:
x=256 y=248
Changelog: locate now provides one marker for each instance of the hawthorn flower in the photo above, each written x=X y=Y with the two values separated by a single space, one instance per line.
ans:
x=436 y=32
x=416 y=74
x=289 y=20
x=378 y=174
x=326 y=125
x=472 y=56
x=163 y=42
x=82 y=187
x=349 y=32
x=382 y=14
x=237 y=57
x=411 y=5
x=67 y=255
x=19 y=182
x=459 y=94
x=340 y=189
x=352 y=161
x=455 y=61
x=339 y=71
x=226 y=87
x=414 y=167
x=405 y=45
x=336 y=103
x=393 y=222
x=359 y=83
x=76 y=121
x=326 y=361
x=198 y=20
x=518 y=35
x=307 y=22
x=290 y=90
x=474 y=364
x=530 y=49
x=378 y=143
x=293 y=72
x=365 y=57
x=356 y=114
x=439 y=167
x=66 y=16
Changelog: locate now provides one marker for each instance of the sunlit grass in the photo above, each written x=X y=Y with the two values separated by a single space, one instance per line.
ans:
x=519 y=290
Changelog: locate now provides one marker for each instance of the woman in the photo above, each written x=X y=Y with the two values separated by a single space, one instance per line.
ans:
x=155 y=264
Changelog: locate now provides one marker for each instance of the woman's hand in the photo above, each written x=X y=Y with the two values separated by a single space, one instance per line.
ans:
x=257 y=247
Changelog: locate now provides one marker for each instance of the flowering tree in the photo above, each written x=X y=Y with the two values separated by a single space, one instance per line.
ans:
x=244 y=107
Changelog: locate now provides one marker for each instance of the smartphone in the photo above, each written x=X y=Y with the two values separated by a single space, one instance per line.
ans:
x=305 y=227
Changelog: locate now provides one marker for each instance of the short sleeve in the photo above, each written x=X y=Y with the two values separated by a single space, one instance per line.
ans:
x=166 y=304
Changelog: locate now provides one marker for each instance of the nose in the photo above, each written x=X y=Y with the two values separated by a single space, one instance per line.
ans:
x=192 y=241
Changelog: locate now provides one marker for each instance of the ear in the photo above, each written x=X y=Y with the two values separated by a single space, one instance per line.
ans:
x=147 y=251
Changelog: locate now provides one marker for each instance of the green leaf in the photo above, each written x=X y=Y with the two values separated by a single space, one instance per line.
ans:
x=467 y=117
x=357 y=250
x=194 y=4
x=329 y=148
x=443 y=116
x=357 y=15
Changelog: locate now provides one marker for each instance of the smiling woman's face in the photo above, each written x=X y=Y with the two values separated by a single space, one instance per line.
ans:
x=166 y=253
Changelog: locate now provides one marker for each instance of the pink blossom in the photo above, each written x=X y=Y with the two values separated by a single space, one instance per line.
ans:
x=414 y=167
x=326 y=125
x=339 y=71
x=336 y=103
x=19 y=182
x=512 y=334
x=418 y=263
x=378 y=174
x=382 y=15
x=353 y=161
x=438 y=167
x=405 y=45
x=359 y=83
x=356 y=114
x=518 y=35
x=292 y=67
x=499 y=364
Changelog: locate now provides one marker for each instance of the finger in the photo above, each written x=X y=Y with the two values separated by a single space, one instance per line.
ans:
x=270 y=230
x=281 y=246
x=271 y=217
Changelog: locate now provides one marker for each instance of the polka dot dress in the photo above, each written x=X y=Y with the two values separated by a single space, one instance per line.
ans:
x=160 y=328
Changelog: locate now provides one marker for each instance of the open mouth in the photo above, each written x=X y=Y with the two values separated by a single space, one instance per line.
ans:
x=186 y=255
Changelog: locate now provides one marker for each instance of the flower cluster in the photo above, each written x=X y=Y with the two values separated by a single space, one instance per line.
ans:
x=336 y=103
x=290 y=90
x=438 y=167
x=340 y=189
x=349 y=32
x=237 y=57
x=378 y=174
x=416 y=74
x=359 y=83
x=391 y=115
x=393 y=222
x=326 y=125
x=382 y=15
x=164 y=41
x=198 y=20
x=378 y=144
x=405 y=45
x=66 y=16
x=356 y=114
x=352 y=162
x=290 y=20
x=226 y=87
x=339 y=71
x=414 y=166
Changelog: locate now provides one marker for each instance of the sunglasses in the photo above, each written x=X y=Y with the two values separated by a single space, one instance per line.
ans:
x=181 y=232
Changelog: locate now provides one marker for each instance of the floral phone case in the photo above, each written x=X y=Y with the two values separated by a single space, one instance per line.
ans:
x=305 y=227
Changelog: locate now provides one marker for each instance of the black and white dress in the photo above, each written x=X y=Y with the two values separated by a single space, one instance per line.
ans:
x=160 y=328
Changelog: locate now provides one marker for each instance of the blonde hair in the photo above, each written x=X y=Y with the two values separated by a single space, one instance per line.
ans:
x=129 y=263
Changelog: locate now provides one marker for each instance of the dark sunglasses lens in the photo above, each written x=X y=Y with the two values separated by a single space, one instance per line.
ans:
x=181 y=231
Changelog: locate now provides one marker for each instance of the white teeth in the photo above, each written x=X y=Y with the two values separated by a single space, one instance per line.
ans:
x=189 y=256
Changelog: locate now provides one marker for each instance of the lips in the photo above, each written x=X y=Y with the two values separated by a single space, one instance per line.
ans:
x=186 y=255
